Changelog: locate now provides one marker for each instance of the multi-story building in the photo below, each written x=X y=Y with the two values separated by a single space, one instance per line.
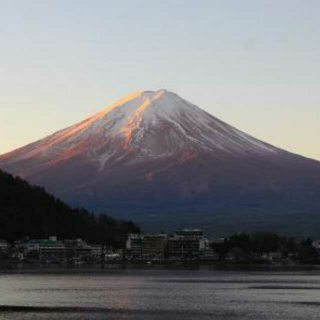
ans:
x=183 y=244
x=45 y=249
x=134 y=246
x=154 y=246
x=186 y=244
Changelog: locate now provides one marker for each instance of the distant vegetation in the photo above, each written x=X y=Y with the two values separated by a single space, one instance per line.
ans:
x=245 y=246
x=27 y=210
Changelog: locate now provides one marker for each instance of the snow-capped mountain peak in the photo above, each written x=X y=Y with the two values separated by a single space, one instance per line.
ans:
x=160 y=160
x=141 y=126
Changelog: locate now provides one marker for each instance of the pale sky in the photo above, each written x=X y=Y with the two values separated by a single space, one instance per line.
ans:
x=253 y=64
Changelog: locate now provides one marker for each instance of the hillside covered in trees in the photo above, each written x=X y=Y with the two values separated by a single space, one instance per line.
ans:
x=27 y=210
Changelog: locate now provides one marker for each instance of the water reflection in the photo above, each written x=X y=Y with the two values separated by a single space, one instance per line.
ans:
x=160 y=294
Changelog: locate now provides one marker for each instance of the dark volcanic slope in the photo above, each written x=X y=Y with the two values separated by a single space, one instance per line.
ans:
x=164 y=162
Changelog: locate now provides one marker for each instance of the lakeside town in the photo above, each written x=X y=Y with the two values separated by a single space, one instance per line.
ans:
x=182 y=246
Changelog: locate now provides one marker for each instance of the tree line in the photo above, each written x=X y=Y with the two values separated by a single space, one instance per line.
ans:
x=246 y=246
x=29 y=211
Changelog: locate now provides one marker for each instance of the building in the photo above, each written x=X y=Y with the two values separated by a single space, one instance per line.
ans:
x=154 y=246
x=316 y=244
x=207 y=252
x=77 y=249
x=186 y=244
x=4 y=247
x=217 y=241
x=112 y=256
x=190 y=233
x=45 y=249
x=134 y=246
x=96 y=251
x=273 y=256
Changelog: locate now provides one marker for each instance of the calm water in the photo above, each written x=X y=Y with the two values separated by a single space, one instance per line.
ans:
x=161 y=294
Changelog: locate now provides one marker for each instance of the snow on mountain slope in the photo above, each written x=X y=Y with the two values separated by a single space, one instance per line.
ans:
x=153 y=124
x=153 y=152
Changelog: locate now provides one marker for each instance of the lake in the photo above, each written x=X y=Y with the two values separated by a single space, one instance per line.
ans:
x=160 y=294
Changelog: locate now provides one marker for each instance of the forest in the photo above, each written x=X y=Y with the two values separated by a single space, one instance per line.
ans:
x=247 y=246
x=29 y=211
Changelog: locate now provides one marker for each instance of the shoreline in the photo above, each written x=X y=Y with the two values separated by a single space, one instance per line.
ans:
x=25 y=268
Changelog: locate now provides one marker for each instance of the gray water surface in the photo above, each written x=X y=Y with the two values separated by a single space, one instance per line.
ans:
x=161 y=294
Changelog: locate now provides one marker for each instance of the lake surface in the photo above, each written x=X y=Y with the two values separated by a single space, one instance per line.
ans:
x=160 y=294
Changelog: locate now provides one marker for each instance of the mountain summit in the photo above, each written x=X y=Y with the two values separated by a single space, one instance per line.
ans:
x=150 y=124
x=156 y=158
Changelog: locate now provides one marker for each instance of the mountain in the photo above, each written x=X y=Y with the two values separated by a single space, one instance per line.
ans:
x=164 y=162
